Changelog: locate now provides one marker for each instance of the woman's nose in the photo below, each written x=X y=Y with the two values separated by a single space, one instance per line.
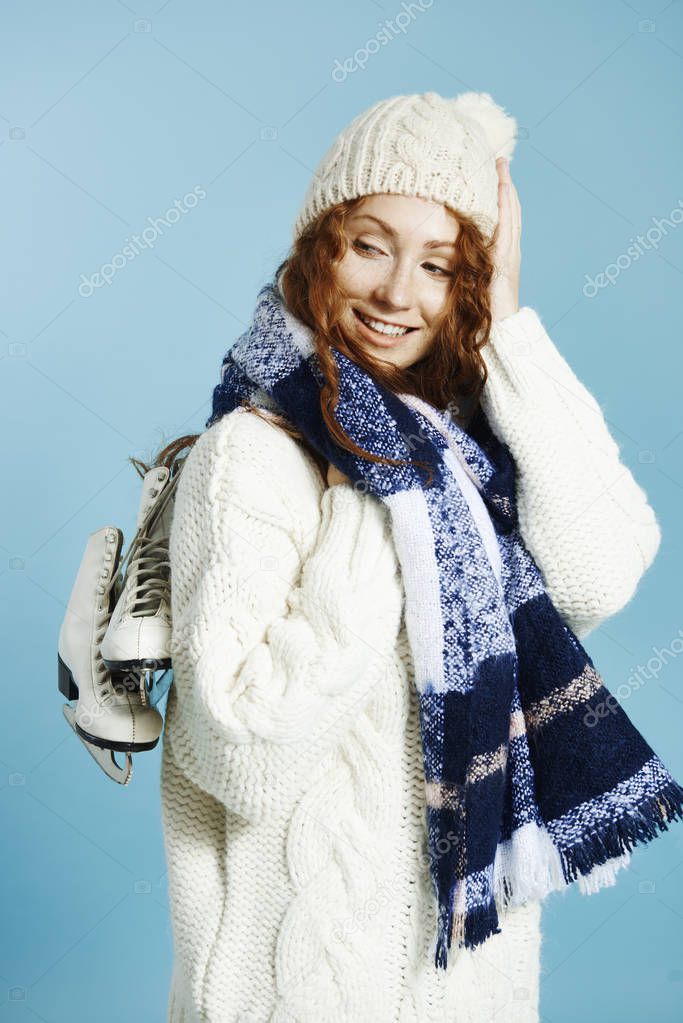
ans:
x=395 y=289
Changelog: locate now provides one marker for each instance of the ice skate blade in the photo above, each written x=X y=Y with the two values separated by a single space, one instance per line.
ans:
x=104 y=757
x=138 y=664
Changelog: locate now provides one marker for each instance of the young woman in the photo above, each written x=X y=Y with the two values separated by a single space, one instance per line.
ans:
x=295 y=782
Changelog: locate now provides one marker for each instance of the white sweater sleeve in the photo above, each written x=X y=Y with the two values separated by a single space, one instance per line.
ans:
x=282 y=625
x=583 y=516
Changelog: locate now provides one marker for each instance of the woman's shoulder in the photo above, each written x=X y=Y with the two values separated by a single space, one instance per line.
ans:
x=250 y=460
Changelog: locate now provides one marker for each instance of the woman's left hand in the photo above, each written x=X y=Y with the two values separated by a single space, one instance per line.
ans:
x=504 y=289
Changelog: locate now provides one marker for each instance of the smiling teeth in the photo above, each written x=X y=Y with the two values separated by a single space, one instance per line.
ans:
x=383 y=328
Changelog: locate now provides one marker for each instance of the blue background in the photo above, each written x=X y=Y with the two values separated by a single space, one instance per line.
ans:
x=109 y=112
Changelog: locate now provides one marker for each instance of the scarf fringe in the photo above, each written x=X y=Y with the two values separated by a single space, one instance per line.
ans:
x=469 y=929
x=618 y=837
x=530 y=865
x=603 y=875
x=527 y=866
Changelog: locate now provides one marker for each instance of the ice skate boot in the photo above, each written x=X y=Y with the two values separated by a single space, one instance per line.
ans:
x=138 y=637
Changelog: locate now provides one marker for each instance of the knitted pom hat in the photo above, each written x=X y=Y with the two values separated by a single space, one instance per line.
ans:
x=422 y=145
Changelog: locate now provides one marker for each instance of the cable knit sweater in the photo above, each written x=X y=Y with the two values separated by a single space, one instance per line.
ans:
x=292 y=783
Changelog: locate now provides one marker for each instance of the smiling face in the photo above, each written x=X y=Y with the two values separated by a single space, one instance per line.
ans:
x=397 y=272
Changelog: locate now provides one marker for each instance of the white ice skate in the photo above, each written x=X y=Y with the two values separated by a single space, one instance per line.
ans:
x=138 y=636
x=112 y=713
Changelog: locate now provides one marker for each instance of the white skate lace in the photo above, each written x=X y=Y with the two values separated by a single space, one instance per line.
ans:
x=153 y=578
x=148 y=557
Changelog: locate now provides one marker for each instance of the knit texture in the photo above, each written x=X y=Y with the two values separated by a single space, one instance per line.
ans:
x=438 y=148
x=292 y=777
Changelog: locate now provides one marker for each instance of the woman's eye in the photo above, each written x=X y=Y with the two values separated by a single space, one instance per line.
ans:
x=441 y=270
x=364 y=247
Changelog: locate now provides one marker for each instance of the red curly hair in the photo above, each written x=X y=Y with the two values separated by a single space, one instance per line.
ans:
x=451 y=374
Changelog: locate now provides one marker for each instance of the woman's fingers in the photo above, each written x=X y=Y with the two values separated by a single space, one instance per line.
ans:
x=506 y=254
x=510 y=209
x=505 y=206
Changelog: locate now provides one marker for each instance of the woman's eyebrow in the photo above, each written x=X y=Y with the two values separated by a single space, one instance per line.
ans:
x=389 y=229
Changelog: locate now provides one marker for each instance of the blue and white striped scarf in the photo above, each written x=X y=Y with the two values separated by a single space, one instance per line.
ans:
x=535 y=776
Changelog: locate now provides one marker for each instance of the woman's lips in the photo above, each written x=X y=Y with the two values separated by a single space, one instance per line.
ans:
x=383 y=340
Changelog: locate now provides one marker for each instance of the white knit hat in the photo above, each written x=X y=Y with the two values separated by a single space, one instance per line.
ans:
x=423 y=145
